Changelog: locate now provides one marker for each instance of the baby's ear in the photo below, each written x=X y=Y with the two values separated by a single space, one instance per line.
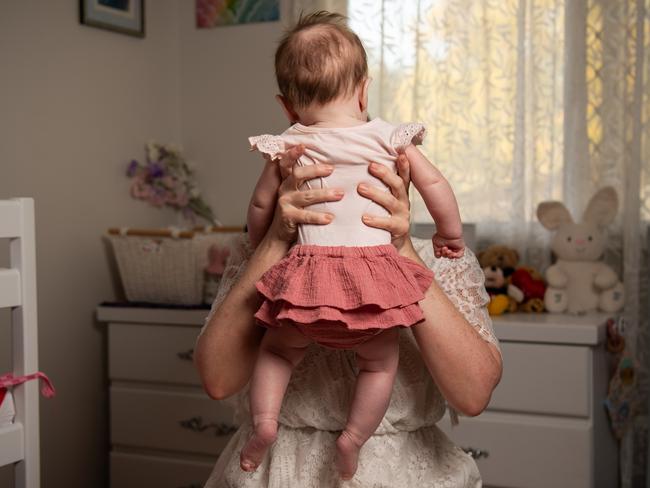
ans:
x=287 y=108
x=363 y=95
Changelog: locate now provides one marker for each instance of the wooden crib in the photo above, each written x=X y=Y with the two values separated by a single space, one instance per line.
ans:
x=19 y=441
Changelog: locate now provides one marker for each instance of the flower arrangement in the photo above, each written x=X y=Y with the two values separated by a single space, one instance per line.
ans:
x=166 y=178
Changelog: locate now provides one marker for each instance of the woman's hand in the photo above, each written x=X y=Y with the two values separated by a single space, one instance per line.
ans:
x=396 y=202
x=290 y=209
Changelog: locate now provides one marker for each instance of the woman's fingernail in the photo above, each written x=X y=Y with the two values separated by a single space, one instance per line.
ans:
x=363 y=187
x=366 y=218
x=329 y=218
x=339 y=193
x=372 y=165
x=328 y=167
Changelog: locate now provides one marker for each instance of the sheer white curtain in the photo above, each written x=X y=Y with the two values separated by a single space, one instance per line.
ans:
x=524 y=101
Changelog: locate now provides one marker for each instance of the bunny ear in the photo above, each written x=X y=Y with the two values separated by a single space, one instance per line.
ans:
x=553 y=214
x=602 y=207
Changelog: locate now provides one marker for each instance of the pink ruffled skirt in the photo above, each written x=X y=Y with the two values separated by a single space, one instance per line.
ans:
x=342 y=296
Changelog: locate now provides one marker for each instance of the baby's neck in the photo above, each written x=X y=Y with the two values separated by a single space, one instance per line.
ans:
x=338 y=113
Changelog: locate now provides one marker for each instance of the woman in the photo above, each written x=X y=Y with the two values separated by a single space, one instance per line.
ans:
x=451 y=356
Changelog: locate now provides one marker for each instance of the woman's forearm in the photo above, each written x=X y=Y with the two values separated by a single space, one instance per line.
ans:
x=226 y=351
x=463 y=365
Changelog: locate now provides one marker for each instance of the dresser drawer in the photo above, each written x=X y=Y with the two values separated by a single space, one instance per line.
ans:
x=138 y=471
x=174 y=421
x=543 y=378
x=160 y=353
x=527 y=451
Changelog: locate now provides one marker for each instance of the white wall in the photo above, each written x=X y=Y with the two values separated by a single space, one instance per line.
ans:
x=76 y=103
x=227 y=94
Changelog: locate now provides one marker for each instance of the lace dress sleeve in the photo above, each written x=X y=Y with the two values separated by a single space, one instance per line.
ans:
x=405 y=134
x=463 y=282
x=270 y=146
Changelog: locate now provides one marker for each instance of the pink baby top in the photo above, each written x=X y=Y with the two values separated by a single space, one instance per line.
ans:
x=350 y=150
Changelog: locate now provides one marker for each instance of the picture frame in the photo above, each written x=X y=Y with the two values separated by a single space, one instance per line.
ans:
x=220 y=13
x=123 y=16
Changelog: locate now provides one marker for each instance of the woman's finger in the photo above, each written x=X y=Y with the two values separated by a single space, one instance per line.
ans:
x=291 y=155
x=310 y=197
x=381 y=197
x=390 y=179
x=289 y=159
x=301 y=216
x=304 y=173
x=396 y=227
x=404 y=170
x=300 y=174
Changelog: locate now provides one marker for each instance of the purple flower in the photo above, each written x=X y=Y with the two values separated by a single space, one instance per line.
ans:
x=132 y=168
x=156 y=170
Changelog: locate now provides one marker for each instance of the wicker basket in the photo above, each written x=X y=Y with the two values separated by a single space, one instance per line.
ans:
x=163 y=266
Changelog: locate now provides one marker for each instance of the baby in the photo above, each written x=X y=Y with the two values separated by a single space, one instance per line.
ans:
x=343 y=285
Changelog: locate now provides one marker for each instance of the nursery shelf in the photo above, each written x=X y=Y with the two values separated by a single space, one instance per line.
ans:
x=9 y=288
x=11 y=443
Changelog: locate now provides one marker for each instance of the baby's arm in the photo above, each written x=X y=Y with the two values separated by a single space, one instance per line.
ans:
x=441 y=203
x=262 y=204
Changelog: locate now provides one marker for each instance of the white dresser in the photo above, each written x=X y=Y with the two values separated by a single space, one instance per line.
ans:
x=546 y=425
x=164 y=430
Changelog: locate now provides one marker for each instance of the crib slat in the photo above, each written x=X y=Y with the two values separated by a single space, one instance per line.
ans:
x=10 y=218
x=9 y=288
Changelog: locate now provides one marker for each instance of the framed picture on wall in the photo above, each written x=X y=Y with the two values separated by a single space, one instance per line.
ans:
x=125 y=16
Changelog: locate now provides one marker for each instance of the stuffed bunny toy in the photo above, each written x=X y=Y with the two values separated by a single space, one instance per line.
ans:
x=579 y=282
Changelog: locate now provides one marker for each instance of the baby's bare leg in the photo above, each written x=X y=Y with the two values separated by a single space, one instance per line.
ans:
x=377 y=361
x=280 y=352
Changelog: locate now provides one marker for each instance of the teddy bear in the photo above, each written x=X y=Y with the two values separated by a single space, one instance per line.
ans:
x=498 y=263
x=580 y=281
x=511 y=288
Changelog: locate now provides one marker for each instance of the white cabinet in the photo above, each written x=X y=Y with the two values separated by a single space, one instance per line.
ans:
x=165 y=431
x=546 y=424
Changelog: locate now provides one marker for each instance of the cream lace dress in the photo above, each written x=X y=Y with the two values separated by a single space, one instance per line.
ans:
x=406 y=451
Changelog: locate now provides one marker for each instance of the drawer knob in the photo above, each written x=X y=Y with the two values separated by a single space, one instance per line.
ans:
x=186 y=355
x=196 y=424
x=476 y=453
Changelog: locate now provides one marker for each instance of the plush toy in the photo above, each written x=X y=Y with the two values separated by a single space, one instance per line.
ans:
x=579 y=282
x=498 y=263
x=532 y=289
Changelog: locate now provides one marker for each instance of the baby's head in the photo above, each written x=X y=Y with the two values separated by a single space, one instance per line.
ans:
x=318 y=61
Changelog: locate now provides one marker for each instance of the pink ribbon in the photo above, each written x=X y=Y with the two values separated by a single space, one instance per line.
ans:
x=9 y=379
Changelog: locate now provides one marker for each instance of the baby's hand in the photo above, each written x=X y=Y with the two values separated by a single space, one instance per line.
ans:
x=444 y=247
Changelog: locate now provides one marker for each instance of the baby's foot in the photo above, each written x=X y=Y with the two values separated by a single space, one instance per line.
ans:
x=347 y=455
x=253 y=452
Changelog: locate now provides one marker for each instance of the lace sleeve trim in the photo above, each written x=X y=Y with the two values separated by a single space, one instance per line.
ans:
x=406 y=134
x=272 y=146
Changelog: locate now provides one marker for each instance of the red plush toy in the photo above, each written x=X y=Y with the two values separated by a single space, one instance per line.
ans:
x=532 y=287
